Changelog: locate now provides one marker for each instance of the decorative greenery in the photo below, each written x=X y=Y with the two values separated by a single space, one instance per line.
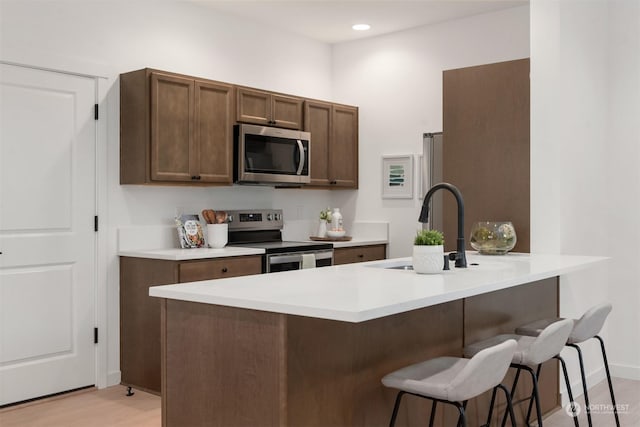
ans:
x=429 y=238
x=326 y=214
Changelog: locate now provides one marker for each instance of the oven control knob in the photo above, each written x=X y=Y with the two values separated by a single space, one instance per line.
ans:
x=269 y=217
x=229 y=218
x=278 y=217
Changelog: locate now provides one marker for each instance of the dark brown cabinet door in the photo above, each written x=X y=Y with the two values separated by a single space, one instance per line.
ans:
x=286 y=111
x=486 y=147
x=213 y=132
x=140 y=313
x=254 y=106
x=172 y=141
x=317 y=119
x=175 y=129
x=343 y=154
x=270 y=109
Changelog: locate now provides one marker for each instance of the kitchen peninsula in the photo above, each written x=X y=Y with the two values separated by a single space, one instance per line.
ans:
x=309 y=347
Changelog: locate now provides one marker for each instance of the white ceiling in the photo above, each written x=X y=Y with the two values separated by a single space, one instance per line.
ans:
x=330 y=21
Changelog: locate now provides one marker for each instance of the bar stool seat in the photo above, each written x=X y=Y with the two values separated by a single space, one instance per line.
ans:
x=587 y=327
x=454 y=380
x=531 y=351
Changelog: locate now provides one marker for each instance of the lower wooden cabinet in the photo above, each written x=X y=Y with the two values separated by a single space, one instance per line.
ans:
x=359 y=254
x=140 y=313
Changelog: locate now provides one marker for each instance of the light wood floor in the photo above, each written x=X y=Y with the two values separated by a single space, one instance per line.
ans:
x=111 y=408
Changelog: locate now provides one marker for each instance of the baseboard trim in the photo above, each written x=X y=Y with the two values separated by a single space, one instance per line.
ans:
x=113 y=378
x=617 y=370
x=628 y=372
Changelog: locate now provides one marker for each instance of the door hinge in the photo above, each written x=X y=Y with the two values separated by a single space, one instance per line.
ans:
x=95 y=335
x=95 y=111
x=95 y=223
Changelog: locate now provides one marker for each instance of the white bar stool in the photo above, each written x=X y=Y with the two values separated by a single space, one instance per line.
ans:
x=454 y=380
x=530 y=351
x=585 y=328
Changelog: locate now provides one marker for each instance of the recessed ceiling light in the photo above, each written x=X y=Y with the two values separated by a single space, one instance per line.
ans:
x=361 y=27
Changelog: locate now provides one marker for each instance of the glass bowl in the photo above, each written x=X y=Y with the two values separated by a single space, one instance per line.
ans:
x=493 y=237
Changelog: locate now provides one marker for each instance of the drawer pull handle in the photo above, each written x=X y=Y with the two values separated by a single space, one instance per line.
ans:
x=360 y=255
x=224 y=269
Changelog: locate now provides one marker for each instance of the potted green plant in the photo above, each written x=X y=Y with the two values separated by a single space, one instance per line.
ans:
x=428 y=252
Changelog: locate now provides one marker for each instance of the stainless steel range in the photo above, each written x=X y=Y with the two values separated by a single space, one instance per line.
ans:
x=262 y=228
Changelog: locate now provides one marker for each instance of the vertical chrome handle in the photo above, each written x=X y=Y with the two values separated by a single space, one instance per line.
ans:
x=301 y=157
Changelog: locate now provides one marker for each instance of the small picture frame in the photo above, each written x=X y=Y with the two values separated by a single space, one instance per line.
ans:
x=397 y=176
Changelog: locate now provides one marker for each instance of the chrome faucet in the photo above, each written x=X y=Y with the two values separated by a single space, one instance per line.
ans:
x=461 y=259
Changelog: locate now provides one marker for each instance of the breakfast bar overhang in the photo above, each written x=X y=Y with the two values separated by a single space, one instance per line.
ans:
x=309 y=347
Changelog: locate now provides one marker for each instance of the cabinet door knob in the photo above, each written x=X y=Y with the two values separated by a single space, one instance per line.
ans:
x=194 y=177
x=360 y=255
x=334 y=182
x=224 y=269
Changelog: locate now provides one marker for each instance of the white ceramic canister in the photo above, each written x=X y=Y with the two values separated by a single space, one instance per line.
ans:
x=217 y=235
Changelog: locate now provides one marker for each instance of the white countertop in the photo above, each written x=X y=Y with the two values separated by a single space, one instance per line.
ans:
x=365 y=291
x=187 y=254
x=227 y=251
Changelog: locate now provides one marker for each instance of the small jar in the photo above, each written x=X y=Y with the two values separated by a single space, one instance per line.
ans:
x=336 y=220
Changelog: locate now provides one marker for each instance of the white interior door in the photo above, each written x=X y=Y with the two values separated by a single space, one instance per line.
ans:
x=47 y=238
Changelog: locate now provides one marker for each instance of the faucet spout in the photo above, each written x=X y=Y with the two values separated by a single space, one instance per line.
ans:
x=461 y=259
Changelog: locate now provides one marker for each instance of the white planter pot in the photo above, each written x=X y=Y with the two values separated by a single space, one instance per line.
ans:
x=428 y=259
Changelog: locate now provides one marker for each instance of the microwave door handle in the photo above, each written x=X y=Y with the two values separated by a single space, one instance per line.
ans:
x=301 y=158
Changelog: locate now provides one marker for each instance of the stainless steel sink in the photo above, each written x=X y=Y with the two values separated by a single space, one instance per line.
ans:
x=400 y=267
x=393 y=265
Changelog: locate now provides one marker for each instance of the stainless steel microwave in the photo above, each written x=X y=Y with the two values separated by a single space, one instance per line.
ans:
x=267 y=155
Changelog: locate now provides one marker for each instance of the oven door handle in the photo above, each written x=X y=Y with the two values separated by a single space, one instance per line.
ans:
x=300 y=158
x=283 y=259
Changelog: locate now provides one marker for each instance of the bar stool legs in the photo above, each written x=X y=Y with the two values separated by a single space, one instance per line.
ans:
x=584 y=381
x=606 y=367
x=585 y=389
x=534 y=394
x=461 y=407
x=509 y=406
x=569 y=392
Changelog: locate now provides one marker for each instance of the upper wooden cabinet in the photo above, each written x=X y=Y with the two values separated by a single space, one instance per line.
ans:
x=175 y=129
x=267 y=108
x=334 y=144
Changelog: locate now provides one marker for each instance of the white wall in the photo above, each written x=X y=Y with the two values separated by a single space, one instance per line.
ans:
x=585 y=139
x=107 y=38
x=396 y=80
